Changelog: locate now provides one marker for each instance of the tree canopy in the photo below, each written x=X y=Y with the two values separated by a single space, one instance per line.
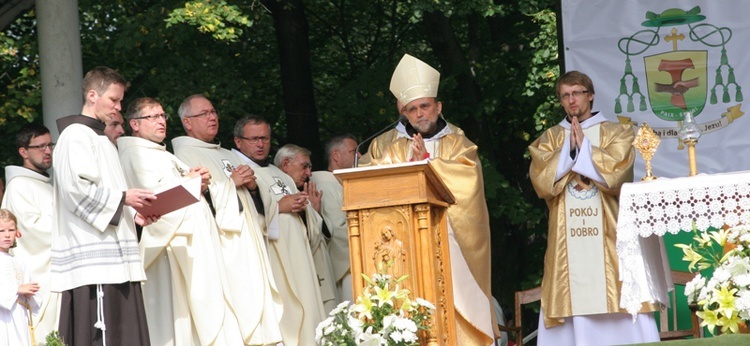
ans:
x=315 y=68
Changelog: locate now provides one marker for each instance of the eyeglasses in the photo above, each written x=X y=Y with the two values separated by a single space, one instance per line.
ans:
x=42 y=147
x=255 y=139
x=575 y=94
x=153 y=117
x=203 y=114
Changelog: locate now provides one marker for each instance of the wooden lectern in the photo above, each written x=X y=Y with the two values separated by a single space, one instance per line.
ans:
x=398 y=213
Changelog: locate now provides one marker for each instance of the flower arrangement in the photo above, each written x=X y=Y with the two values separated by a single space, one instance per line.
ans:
x=724 y=299
x=382 y=315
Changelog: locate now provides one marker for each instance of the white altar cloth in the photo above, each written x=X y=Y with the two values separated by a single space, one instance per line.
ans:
x=671 y=205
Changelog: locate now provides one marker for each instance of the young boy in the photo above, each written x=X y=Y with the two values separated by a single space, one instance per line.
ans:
x=17 y=295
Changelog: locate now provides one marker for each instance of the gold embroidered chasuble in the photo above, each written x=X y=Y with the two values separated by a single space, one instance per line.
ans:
x=613 y=158
x=457 y=163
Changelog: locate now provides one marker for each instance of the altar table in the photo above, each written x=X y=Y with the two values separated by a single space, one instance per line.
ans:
x=671 y=205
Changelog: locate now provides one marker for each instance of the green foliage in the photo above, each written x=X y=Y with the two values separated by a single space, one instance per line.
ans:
x=513 y=206
x=171 y=63
x=21 y=93
x=484 y=8
x=213 y=17
x=20 y=84
x=54 y=339
x=544 y=71
x=354 y=50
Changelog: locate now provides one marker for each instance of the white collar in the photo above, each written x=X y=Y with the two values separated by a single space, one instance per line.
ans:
x=444 y=132
x=597 y=118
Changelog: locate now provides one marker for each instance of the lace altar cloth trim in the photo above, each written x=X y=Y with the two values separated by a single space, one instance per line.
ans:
x=672 y=205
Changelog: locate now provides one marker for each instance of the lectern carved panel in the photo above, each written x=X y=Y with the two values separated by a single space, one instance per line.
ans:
x=402 y=230
x=389 y=240
x=389 y=252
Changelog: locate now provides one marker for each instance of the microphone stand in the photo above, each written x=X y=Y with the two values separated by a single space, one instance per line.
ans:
x=356 y=152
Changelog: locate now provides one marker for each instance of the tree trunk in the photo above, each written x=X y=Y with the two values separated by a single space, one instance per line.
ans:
x=455 y=65
x=296 y=74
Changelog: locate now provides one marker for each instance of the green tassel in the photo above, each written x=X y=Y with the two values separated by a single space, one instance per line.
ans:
x=643 y=104
x=713 y=97
x=738 y=95
x=618 y=106
x=628 y=68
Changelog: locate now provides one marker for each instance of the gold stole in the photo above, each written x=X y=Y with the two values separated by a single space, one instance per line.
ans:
x=584 y=229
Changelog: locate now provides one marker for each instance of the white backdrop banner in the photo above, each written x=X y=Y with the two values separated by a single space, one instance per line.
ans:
x=654 y=60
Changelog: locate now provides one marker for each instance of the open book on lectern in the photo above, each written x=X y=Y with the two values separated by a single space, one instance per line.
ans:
x=383 y=166
x=173 y=197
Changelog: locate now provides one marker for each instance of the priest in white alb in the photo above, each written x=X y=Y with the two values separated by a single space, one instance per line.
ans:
x=255 y=298
x=28 y=195
x=289 y=245
x=95 y=260
x=341 y=151
x=295 y=162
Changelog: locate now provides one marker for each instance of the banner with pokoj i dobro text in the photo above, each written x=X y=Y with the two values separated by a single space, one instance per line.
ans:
x=654 y=60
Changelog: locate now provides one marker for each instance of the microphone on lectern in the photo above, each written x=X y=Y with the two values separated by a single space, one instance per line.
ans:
x=401 y=118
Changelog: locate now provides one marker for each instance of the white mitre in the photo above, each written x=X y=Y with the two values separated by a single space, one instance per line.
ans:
x=413 y=79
